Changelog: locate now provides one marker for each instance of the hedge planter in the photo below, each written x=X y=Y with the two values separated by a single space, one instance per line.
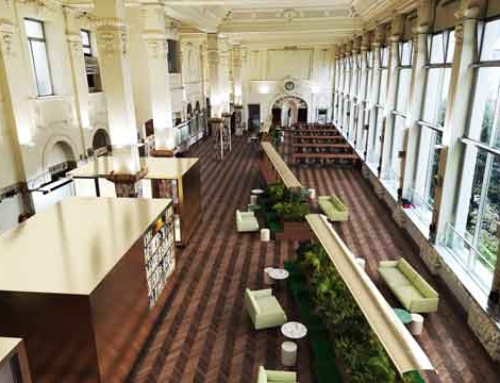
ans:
x=295 y=231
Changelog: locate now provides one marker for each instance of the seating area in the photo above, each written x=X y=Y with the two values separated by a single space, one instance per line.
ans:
x=414 y=293
x=246 y=222
x=264 y=309
x=333 y=208
x=273 y=376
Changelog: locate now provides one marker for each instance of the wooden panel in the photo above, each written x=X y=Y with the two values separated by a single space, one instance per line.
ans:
x=190 y=202
x=121 y=316
x=58 y=334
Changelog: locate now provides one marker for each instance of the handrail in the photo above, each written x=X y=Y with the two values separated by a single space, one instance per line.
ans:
x=402 y=348
x=281 y=167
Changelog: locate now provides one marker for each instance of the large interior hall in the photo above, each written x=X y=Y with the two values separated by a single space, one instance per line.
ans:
x=248 y=191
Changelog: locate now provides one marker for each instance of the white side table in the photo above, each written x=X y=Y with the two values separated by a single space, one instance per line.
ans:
x=361 y=263
x=254 y=199
x=278 y=274
x=294 y=330
x=289 y=353
x=265 y=235
x=267 y=278
x=312 y=194
x=417 y=324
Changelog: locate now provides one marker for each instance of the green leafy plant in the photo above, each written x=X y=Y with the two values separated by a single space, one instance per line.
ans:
x=292 y=211
x=365 y=358
x=277 y=193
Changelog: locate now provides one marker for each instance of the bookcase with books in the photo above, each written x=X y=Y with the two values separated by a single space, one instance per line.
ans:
x=159 y=254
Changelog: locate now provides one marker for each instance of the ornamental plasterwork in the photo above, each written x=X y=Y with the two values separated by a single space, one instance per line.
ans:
x=111 y=36
x=157 y=48
x=6 y=33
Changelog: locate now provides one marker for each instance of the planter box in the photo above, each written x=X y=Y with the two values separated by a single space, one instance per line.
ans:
x=296 y=231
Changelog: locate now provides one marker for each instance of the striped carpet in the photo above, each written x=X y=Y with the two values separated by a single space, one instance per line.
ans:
x=372 y=234
x=204 y=333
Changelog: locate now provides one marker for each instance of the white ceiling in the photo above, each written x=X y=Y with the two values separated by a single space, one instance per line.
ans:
x=258 y=22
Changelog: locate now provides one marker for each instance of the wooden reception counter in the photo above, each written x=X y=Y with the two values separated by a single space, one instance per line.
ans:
x=83 y=282
x=175 y=178
x=13 y=363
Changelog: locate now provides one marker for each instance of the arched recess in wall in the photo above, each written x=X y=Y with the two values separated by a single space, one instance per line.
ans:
x=101 y=143
x=189 y=110
x=288 y=110
x=197 y=107
x=59 y=156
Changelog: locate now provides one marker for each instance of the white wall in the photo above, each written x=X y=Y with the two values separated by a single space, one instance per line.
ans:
x=310 y=68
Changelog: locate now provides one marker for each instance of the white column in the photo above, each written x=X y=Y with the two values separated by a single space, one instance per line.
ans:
x=237 y=75
x=362 y=94
x=457 y=119
x=354 y=96
x=388 y=163
x=155 y=39
x=117 y=83
x=213 y=73
x=375 y=95
x=20 y=129
x=79 y=73
x=412 y=130
x=224 y=81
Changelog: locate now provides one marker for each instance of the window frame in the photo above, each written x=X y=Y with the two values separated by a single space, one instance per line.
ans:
x=33 y=63
x=89 y=46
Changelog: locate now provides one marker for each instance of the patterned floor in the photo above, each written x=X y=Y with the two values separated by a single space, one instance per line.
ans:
x=204 y=334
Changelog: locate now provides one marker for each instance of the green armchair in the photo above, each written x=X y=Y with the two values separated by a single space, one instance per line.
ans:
x=264 y=309
x=415 y=294
x=272 y=376
x=333 y=208
x=246 y=222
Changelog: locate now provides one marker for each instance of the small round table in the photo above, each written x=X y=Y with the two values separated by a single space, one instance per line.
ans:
x=294 y=330
x=257 y=192
x=267 y=279
x=403 y=315
x=278 y=274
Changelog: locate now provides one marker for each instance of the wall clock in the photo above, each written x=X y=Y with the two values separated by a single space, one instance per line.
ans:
x=289 y=86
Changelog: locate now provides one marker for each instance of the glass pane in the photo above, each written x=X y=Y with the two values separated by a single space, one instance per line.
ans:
x=85 y=38
x=34 y=28
x=488 y=239
x=403 y=90
x=436 y=95
x=406 y=53
x=437 y=49
x=475 y=198
x=485 y=102
x=397 y=146
x=431 y=183
x=41 y=66
x=384 y=59
x=451 y=47
x=369 y=84
x=383 y=86
x=491 y=42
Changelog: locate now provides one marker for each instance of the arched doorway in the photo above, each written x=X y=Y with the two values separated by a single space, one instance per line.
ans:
x=189 y=111
x=289 y=110
x=101 y=143
x=58 y=159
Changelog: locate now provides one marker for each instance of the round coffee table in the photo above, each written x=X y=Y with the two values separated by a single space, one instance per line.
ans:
x=257 y=192
x=278 y=274
x=294 y=330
